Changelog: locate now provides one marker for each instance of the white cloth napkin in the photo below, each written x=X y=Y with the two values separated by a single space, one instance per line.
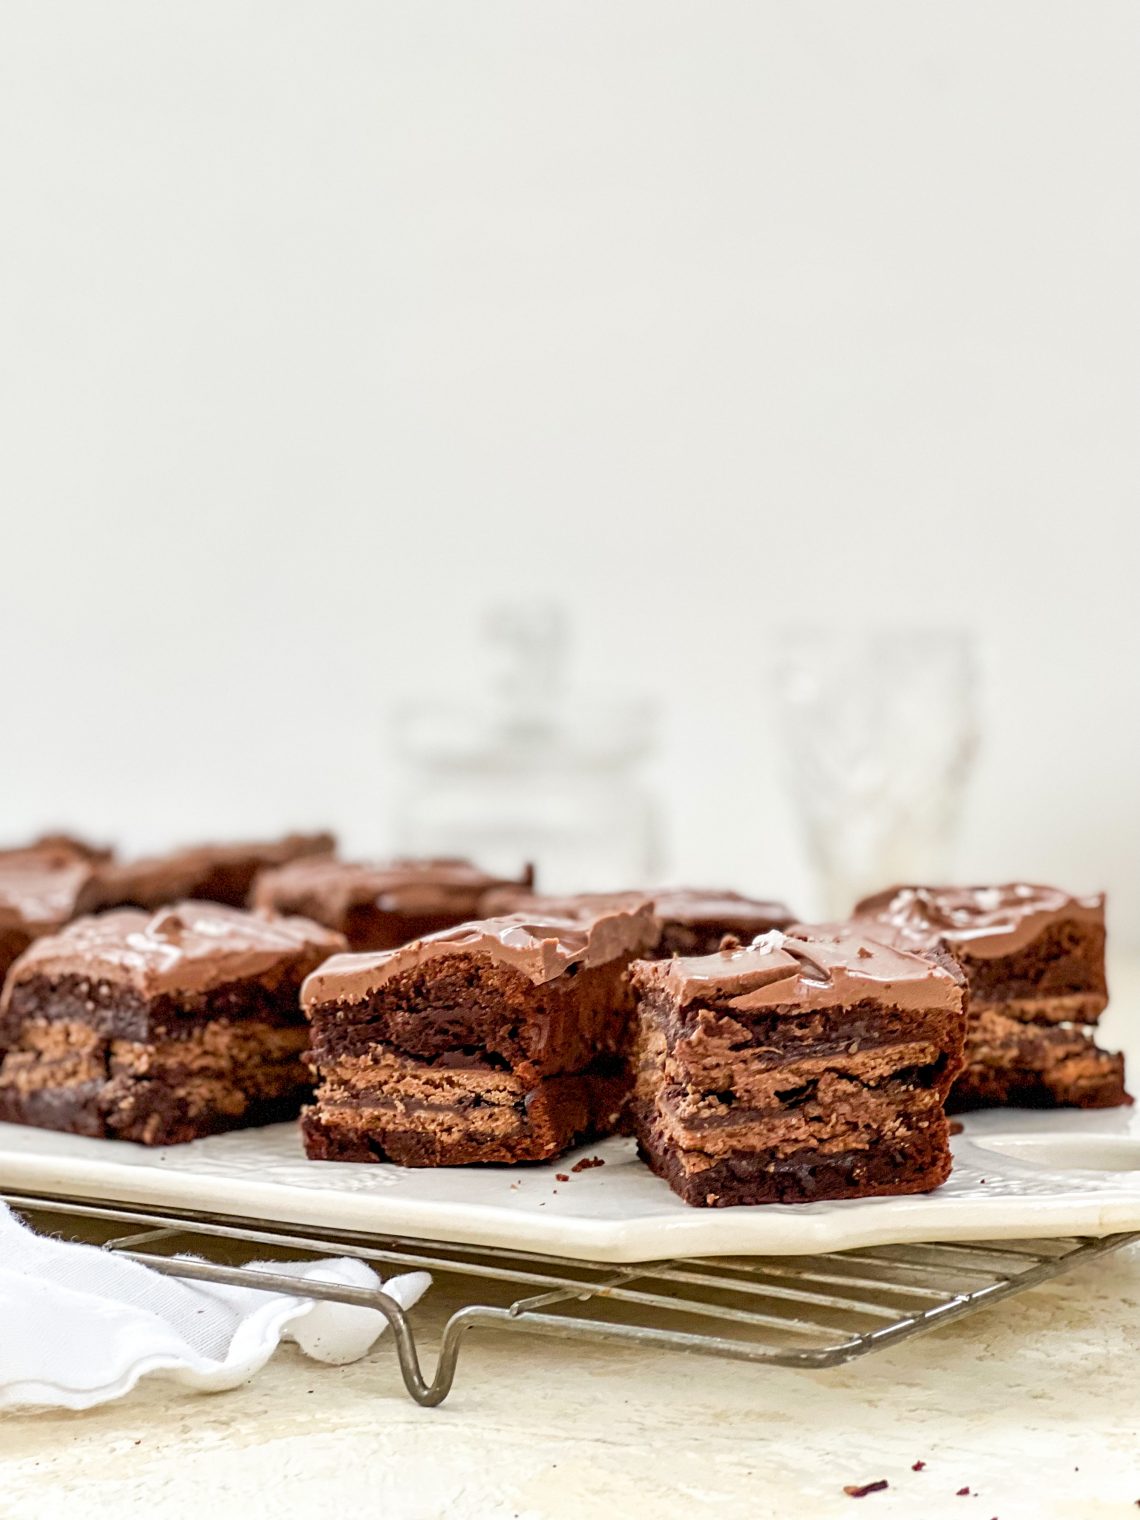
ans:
x=79 y=1325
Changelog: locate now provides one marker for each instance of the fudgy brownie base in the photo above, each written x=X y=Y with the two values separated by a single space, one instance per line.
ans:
x=911 y=1163
x=369 y=927
x=13 y=943
x=158 y=1115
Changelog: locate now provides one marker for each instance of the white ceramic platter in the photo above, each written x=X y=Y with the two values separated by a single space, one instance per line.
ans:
x=1016 y=1175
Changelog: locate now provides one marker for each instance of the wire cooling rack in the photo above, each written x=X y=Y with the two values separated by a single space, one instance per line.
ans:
x=787 y=1311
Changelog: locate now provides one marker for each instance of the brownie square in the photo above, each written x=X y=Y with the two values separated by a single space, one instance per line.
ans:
x=1033 y=959
x=381 y=906
x=40 y=886
x=159 y=1028
x=503 y=1040
x=799 y=1068
x=222 y=873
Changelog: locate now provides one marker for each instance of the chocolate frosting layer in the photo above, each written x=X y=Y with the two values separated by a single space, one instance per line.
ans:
x=805 y=970
x=328 y=889
x=540 y=948
x=188 y=948
x=159 y=879
x=980 y=921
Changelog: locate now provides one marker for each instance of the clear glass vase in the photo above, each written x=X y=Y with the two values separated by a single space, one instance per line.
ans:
x=880 y=730
x=523 y=768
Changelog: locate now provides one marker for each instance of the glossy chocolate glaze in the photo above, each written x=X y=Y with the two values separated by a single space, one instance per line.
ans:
x=188 y=948
x=540 y=948
x=980 y=921
x=806 y=970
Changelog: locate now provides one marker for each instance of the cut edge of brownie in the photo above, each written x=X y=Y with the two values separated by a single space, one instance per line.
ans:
x=212 y=1077
x=546 y=1037
x=745 y=1095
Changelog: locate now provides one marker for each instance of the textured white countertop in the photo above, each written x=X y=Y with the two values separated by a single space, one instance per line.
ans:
x=1034 y=1405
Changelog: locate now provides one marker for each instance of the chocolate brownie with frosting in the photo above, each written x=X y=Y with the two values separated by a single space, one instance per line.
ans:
x=40 y=888
x=221 y=873
x=1033 y=958
x=380 y=906
x=502 y=1040
x=159 y=1027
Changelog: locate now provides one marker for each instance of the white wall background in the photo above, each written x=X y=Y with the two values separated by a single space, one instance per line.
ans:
x=321 y=325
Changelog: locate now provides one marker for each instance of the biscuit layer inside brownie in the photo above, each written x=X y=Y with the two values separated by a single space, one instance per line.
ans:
x=1029 y=1039
x=193 y=1081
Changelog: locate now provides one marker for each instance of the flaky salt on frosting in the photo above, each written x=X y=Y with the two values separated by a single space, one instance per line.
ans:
x=806 y=971
x=980 y=921
x=540 y=948
x=190 y=947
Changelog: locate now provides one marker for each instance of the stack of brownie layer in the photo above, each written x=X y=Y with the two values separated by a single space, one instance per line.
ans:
x=1033 y=958
x=159 y=1028
x=377 y=907
x=801 y=1067
x=222 y=873
x=690 y=920
x=498 y=1041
